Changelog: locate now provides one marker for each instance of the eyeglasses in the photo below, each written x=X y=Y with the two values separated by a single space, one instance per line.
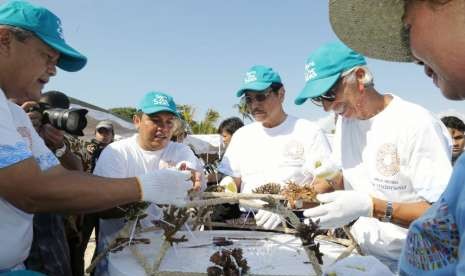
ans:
x=329 y=96
x=259 y=97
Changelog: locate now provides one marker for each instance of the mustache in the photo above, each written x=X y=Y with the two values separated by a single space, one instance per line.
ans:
x=257 y=110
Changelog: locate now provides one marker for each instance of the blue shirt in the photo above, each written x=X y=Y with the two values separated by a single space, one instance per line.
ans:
x=433 y=244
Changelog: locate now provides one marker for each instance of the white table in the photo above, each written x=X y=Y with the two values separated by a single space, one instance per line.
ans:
x=266 y=254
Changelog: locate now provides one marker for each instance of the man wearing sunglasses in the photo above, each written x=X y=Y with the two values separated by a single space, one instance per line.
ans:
x=277 y=147
x=394 y=154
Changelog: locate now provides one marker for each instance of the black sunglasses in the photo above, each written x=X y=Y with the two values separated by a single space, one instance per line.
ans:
x=259 y=97
x=329 y=96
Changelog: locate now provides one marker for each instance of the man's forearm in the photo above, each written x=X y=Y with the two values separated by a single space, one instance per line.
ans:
x=60 y=190
x=403 y=213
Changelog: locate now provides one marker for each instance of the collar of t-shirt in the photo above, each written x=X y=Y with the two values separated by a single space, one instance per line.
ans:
x=279 y=129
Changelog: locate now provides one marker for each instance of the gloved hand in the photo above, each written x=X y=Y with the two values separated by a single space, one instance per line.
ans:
x=228 y=183
x=325 y=170
x=340 y=208
x=197 y=176
x=267 y=219
x=166 y=186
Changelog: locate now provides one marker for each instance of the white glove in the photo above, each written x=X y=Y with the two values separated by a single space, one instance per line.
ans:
x=326 y=170
x=340 y=208
x=267 y=219
x=166 y=186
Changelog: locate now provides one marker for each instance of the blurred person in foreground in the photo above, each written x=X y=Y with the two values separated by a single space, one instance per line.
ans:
x=394 y=154
x=456 y=129
x=151 y=149
x=277 y=147
x=50 y=253
x=31 y=178
x=430 y=33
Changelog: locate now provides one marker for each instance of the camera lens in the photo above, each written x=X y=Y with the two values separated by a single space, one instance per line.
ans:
x=72 y=121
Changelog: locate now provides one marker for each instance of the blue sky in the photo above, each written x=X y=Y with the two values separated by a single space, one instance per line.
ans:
x=199 y=51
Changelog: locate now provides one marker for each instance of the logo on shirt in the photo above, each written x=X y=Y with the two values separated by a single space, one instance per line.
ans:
x=26 y=134
x=294 y=151
x=387 y=160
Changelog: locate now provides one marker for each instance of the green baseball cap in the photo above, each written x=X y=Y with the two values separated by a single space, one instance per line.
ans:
x=154 y=102
x=258 y=78
x=46 y=26
x=324 y=67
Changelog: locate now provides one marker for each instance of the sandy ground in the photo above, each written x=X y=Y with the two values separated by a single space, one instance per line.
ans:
x=89 y=251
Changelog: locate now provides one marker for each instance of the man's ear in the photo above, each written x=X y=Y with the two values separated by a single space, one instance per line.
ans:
x=136 y=120
x=281 y=93
x=5 y=40
x=360 y=75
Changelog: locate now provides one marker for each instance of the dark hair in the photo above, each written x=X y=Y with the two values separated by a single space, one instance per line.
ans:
x=275 y=86
x=230 y=125
x=55 y=99
x=19 y=33
x=453 y=122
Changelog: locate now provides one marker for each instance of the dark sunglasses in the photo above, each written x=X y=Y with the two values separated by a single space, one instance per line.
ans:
x=329 y=96
x=261 y=97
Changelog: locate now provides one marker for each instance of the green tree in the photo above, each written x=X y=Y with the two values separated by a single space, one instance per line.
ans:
x=187 y=113
x=124 y=112
x=207 y=125
x=243 y=111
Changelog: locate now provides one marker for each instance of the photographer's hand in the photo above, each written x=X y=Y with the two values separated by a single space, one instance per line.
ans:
x=34 y=116
x=53 y=137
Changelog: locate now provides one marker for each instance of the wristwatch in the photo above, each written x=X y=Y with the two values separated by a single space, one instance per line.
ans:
x=61 y=151
x=388 y=213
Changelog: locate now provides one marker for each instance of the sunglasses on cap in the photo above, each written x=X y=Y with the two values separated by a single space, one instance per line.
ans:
x=329 y=96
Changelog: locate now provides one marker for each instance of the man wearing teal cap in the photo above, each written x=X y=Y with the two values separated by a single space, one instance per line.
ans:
x=394 y=154
x=31 y=46
x=148 y=150
x=277 y=147
x=432 y=34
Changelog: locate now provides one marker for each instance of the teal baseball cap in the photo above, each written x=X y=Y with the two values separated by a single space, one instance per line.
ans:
x=258 y=78
x=46 y=26
x=154 y=102
x=324 y=67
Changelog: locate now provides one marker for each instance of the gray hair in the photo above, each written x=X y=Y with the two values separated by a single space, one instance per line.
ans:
x=19 y=33
x=367 y=79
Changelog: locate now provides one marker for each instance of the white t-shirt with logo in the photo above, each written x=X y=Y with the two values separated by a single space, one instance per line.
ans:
x=19 y=141
x=125 y=158
x=402 y=154
x=259 y=155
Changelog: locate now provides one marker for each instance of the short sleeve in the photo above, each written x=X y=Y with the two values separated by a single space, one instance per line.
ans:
x=230 y=164
x=110 y=164
x=13 y=148
x=430 y=167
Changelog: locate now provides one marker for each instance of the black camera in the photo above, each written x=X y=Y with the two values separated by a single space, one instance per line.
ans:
x=72 y=120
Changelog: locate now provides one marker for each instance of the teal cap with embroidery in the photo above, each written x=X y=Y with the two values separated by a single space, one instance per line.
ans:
x=154 y=102
x=258 y=78
x=324 y=67
x=46 y=26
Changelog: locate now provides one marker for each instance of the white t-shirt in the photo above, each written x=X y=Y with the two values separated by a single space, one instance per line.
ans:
x=402 y=154
x=125 y=158
x=19 y=141
x=260 y=155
